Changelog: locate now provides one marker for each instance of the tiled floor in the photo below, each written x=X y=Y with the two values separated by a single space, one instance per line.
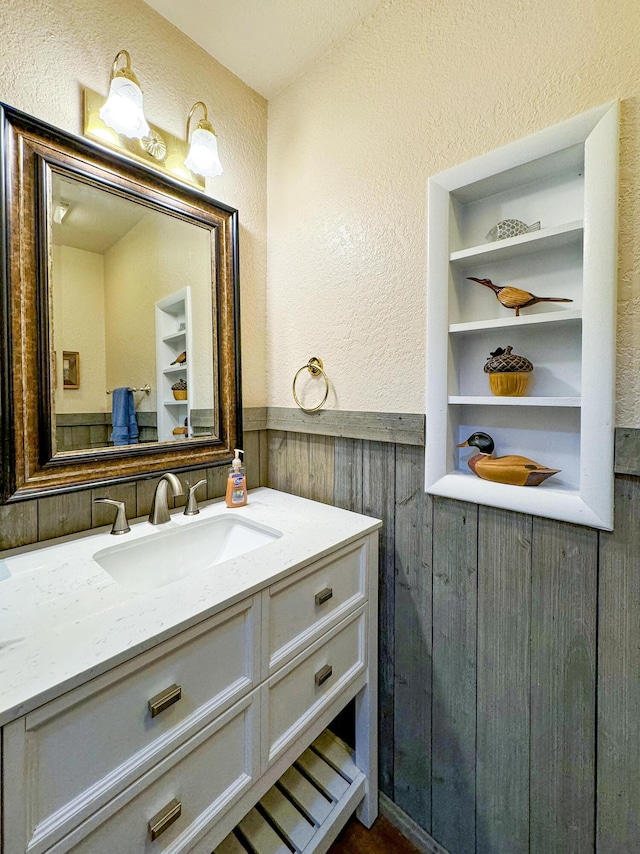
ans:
x=383 y=838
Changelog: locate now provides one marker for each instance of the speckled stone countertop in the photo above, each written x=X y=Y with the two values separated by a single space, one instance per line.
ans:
x=65 y=620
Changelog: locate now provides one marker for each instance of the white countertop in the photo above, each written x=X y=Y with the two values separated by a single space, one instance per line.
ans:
x=65 y=620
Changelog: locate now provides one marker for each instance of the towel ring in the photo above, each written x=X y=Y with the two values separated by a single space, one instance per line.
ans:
x=315 y=368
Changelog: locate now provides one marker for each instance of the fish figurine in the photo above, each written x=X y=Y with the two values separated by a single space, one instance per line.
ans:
x=511 y=228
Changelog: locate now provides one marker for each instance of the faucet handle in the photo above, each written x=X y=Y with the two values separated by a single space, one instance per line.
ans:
x=191 y=508
x=120 y=524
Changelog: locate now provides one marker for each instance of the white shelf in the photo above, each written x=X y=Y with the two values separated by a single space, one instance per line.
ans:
x=567 y=316
x=524 y=244
x=548 y=500
x=172 y=311
x=485 y=400
x=566 y=177
x=174 y=337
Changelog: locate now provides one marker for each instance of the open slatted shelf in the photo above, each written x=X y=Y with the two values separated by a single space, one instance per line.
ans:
x=307 y=807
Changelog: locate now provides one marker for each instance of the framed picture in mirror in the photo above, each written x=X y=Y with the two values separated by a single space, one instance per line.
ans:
x=70 y=369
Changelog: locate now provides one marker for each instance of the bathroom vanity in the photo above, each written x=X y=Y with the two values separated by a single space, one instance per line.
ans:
x=143 y=716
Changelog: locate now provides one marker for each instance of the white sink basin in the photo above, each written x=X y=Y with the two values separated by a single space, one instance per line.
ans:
x=174 y=552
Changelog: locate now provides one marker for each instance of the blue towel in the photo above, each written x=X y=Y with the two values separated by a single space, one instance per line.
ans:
x=123 y=417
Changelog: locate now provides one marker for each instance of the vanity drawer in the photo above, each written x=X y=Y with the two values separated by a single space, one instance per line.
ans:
x=299 y=609
x=92 y=742
x=303 y=688
x=199 y=782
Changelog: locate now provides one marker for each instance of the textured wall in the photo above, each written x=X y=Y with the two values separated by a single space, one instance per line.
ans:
x=51 y=50
x=424 y=85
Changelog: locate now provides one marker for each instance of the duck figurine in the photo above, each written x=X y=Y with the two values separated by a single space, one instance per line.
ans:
x=512 y=469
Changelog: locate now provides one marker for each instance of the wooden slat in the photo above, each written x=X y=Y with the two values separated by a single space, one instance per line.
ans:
x=230 y=845
x=296 y=450
x=618 y=795
x=252 y=458
x=407 y=428
x=264 y=458
x=18 y=524
x=627 y=451
x=455 y=534
x=64 y=514
x=289 y=821
x=321 y=468
x=348 y=474
x=413 y=676
x=260 y=835
x=322 y=775
x=336 y=753
x=254 y=418
x=217 y=477
x=563 y=637
x=504 y=625
x=277 y=459
x=378 y=500
x=305 y=795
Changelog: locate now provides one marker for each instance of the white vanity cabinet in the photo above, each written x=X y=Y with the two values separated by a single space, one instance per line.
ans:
x=181 y=741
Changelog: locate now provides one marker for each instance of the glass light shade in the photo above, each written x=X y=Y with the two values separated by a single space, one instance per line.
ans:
x=203 y=155
x=122 y=110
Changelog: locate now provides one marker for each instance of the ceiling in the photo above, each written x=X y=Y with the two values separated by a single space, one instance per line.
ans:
x=266 y=43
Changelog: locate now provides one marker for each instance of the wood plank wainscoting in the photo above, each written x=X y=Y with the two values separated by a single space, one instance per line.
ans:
x=509 y=644
x=510 y=672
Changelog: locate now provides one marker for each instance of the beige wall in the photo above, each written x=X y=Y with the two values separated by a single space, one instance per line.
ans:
x=50 y=51
x=424 y=85
x=157 y=257
x=78 y=325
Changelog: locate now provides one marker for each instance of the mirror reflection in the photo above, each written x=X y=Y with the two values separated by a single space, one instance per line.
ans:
x=132 y=314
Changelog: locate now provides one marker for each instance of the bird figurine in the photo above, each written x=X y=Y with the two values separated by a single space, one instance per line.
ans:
x=181 y=359
x=512 y=469
x=514 y=297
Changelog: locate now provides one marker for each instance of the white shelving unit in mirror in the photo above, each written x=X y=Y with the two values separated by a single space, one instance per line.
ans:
x=173 y=351
x=564 y=177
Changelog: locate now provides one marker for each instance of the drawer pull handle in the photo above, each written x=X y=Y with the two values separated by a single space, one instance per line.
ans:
x=324 y=596
x=323 y=674
x=164 y=699
x=164 y=819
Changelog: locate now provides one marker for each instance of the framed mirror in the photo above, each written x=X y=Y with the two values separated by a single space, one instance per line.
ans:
x=119 y=320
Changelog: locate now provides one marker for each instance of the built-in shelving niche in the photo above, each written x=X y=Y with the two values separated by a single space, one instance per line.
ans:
x=566 y=178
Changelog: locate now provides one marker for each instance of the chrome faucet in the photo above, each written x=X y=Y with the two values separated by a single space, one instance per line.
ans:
x=160 y=506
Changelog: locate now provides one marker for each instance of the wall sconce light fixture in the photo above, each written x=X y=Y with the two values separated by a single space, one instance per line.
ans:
x=122 y=110
x=203 y=156
x=120 y=124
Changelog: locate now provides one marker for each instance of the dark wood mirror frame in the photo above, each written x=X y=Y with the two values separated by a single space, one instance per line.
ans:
x=30 y=149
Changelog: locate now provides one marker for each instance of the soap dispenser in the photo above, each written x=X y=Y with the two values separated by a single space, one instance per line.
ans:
x=236 y=482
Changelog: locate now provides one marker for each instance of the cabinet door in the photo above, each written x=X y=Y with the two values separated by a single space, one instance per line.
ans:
x=70 y=757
